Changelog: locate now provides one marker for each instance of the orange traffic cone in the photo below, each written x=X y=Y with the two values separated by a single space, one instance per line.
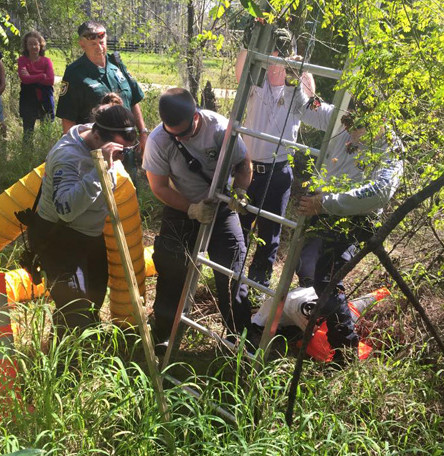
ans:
x=320 y=349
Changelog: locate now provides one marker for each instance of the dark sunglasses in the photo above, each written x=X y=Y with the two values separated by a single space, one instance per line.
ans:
x=182 y=133
x=94 y=36
x=128 y=150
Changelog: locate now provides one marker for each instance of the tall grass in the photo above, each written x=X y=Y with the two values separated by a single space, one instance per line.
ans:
x=87 y=395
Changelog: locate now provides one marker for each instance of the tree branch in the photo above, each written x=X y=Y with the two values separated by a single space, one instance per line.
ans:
x=372 y=245
x=385 y=260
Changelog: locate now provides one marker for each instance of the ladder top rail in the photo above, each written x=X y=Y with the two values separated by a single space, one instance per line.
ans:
x=274 y=139
x=309 y=67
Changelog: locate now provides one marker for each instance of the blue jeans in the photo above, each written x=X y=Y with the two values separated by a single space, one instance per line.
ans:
x=275 y=201
x=172 y=250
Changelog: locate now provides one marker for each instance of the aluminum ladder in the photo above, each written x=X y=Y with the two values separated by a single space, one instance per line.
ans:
x=257 y=60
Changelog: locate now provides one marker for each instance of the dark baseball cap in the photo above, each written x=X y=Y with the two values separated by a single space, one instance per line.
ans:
x=283 y=42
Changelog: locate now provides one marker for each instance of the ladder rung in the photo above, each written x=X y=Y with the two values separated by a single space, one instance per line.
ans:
x=210 y=333
x=235 y=275
x=309 y=67
x=268 y=215
x=273 y=139
x=192 y=392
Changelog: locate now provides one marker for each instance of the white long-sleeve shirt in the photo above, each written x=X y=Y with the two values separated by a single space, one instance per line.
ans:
x=267 y=111
x=368 y=194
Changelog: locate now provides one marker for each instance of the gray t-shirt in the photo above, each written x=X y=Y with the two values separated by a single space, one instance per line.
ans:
x=163 y=158
x=71 y=190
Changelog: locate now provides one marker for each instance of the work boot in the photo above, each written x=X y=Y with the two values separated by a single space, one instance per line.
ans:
x=344 y=356
x=160 y=343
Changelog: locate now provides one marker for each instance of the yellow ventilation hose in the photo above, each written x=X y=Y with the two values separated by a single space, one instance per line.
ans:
x=17 y=198
x=22 y=195
x=128 y=208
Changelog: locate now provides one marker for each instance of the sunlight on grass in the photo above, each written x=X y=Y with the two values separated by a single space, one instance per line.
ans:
x=152 y=68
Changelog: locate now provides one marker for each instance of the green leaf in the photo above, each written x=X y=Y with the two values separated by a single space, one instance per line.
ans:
x=219 y=10
x=252 y=8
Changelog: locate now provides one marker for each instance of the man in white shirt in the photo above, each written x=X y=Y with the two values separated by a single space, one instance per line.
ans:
x=273 y=109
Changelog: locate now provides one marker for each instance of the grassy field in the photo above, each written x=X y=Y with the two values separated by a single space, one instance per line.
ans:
x=91 y=395
x=159 y=69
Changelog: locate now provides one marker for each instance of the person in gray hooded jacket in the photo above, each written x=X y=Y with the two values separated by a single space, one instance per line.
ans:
x=66 y=233
x=340 y=220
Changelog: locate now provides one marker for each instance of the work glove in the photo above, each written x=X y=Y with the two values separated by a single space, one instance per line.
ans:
x=238 y=201
x=203 y=211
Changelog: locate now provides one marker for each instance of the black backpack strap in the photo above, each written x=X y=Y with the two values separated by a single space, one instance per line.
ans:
x=194 y=164
x=37 y=198
x=26 y=216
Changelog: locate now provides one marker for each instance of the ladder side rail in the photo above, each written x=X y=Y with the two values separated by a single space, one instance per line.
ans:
x=341 y=101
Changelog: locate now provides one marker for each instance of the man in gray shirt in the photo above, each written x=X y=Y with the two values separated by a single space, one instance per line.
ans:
x=184 y=187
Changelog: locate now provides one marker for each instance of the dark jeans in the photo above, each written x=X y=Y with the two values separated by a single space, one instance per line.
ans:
x=36 y=102
x=172 y=249
x=77 y=272
x=276 y=201
x=29 y=121
x=325 y=251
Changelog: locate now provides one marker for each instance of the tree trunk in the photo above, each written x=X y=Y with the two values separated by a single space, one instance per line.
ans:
x=193 y=57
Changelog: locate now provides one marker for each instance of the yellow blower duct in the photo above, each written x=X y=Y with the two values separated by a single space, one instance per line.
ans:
x=128 y=208
x=19 y=286
x=150 y=269
x=22 y=195
x=17 y=198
